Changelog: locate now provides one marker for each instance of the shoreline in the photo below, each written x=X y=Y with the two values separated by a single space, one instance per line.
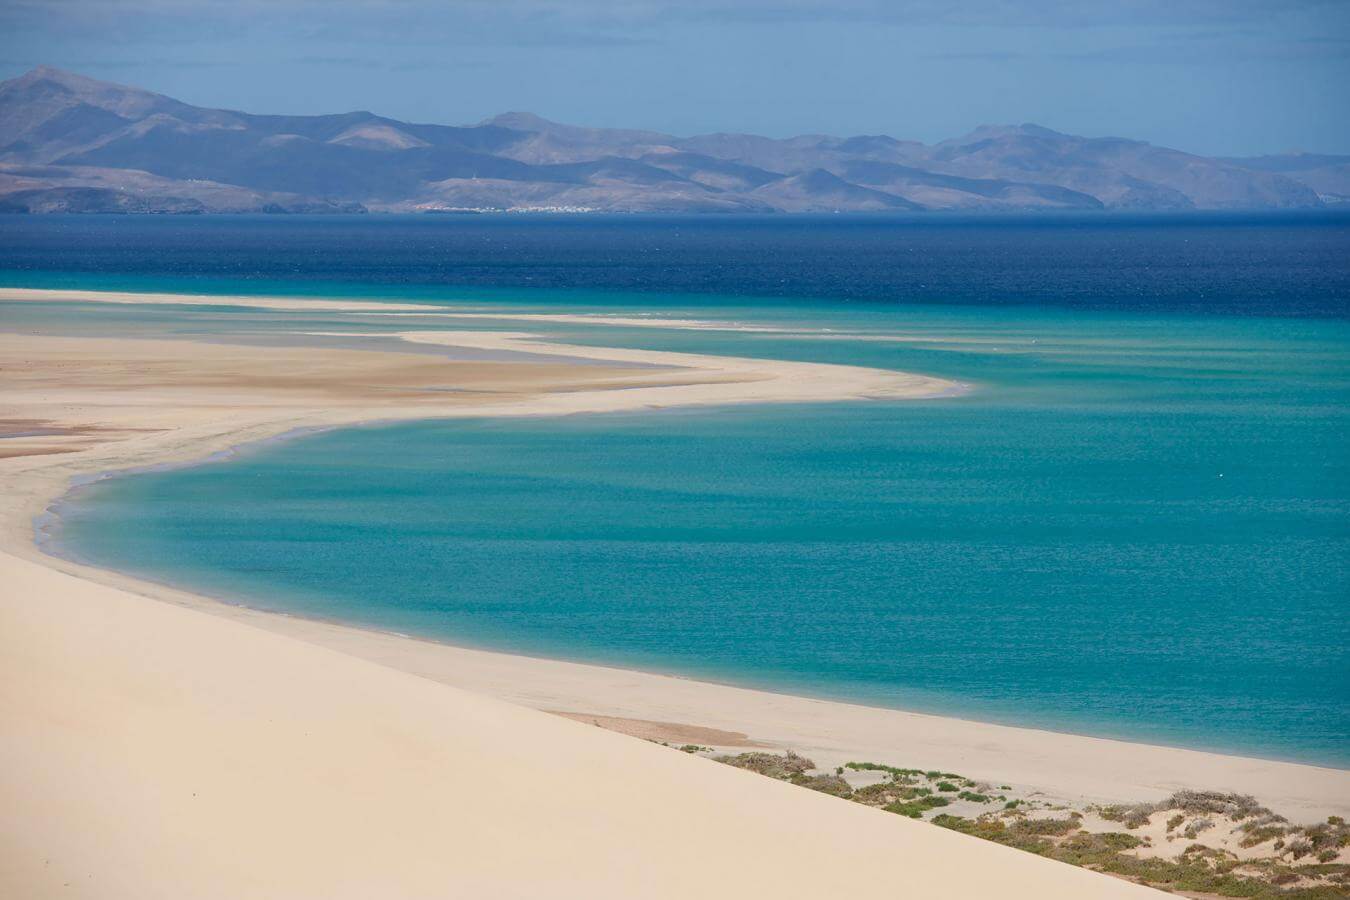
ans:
x=1060 y=765
x=123 y=695
x=737 y=381
x=169 y=591
x=216 y=605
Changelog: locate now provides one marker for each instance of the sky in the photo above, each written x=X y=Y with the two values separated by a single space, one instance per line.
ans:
x=1218 y=77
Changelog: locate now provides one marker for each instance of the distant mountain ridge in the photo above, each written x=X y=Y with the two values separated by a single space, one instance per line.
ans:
x=74 y=144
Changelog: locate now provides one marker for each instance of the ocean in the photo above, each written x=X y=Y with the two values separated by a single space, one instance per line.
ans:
x=1136 y=525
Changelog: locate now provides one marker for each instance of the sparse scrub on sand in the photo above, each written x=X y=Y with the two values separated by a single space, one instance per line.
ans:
x=897 y=774
x=1286 y=872
x=826 y=784
x=1299 y=848
x=1195 y=827
x=1260 y=834
x=1334 y=834
x=1046 y=826
x=885 y=793
x=1132 y=816
x=1235 y=806
x=1198 y=870
x=1190 y=803
x=770 y=764
x=916 y=808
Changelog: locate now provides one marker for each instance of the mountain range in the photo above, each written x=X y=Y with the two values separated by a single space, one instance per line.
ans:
x=74 y=144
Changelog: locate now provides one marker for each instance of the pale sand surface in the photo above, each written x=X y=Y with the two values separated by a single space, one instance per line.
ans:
x=150 y=750
x=652 y=321
x=1066 y=767
x=294 y=304
x=366 y=307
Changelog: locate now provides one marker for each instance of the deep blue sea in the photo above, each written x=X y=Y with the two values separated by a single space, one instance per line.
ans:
x=1137 y=525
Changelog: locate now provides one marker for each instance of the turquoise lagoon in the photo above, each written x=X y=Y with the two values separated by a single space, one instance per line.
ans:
x=1135 y=525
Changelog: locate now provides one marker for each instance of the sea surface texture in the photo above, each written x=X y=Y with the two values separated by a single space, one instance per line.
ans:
x=1136 y=525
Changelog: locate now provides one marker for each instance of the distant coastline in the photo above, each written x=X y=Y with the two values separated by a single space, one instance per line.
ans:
x=69 y=143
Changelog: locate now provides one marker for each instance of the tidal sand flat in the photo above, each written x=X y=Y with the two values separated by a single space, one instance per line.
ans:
x=148 y=402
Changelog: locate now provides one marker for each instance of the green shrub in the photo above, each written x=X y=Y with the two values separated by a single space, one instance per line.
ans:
x=1299 y=849
x=1256 y=836
x=915 y=808
x=826 y=784
x=994 y=830
x=1130 y=815
x=877 y=767
x=1326 y=836
x=910 y=808
x=1053 y=827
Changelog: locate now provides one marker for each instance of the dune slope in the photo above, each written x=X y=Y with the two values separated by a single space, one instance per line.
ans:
x=153 y=751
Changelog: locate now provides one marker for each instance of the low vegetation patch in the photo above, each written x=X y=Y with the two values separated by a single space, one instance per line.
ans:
x=916 y=808
x=770 y=764
x=1046 y=826
x=826 y=784
x=897 y=774
x=1303 y=862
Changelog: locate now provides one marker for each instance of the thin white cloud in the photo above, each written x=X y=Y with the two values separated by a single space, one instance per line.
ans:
x=626 y=13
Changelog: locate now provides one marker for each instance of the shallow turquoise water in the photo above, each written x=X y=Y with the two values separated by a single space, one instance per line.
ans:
x=1136 y=526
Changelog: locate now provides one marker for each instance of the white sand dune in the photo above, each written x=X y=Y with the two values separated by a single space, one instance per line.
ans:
x=151 y=751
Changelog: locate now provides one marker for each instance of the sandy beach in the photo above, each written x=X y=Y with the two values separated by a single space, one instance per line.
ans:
x=158 y=743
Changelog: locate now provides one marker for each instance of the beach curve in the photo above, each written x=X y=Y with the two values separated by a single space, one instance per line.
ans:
x=126 y=642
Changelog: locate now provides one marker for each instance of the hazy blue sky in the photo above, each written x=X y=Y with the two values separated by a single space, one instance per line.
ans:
x=1210 y=76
